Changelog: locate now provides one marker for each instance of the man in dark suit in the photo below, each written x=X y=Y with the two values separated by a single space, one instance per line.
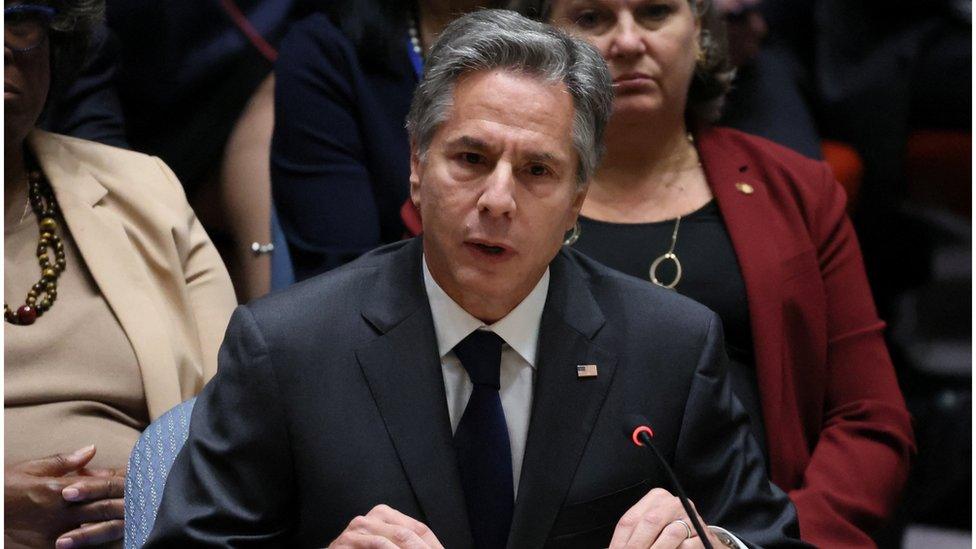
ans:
x=470 y=388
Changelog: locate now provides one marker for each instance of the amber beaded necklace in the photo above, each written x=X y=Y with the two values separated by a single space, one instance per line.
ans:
x=41 y=296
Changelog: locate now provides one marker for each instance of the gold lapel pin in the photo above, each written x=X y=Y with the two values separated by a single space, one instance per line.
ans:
x=745 y=188
x=586 y=370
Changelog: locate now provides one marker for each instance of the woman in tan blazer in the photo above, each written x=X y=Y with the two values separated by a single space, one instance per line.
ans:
x=115 y=299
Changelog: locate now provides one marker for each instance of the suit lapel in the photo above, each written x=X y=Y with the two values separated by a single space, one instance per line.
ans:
x=403 y=371
x=747 y=219
x=565 y=407
x=110 y=258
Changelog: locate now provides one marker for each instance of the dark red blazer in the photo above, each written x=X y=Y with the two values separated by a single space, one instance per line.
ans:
x=840 y=439
x=839 y=436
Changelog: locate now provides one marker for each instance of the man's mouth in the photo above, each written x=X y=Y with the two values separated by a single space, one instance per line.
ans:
x=494 y=250
x=489 y=249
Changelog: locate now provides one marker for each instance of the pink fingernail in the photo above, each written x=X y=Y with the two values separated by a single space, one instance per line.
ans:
x=64 y=543
x=71 y=494
x=78 y=454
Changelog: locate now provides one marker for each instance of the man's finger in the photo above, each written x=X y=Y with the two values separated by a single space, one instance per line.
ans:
x=673 y=535
x=356 y=540
x=99 y=511
x=650 y=527
x=401 y=535
x=59 y=464
x=392 y=516
x=91 y=534
x=645 y=519
x=94 y=488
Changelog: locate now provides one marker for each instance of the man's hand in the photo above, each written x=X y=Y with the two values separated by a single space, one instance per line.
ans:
x=56 y=498
x=652 y=522
x=384 y=526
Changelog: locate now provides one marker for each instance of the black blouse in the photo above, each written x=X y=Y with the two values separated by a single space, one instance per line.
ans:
x=710 y=275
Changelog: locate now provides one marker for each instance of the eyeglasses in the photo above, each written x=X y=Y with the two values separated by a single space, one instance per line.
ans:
x=25 y=26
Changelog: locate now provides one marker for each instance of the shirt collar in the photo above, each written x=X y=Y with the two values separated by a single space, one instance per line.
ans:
x=519 y=328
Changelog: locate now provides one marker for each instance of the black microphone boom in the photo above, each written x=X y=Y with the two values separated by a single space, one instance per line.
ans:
x=640 y=433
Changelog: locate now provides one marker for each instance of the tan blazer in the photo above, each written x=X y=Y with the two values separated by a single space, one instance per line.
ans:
x=149 y=255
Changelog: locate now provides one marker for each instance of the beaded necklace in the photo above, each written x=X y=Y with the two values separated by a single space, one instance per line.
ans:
x=41 y=296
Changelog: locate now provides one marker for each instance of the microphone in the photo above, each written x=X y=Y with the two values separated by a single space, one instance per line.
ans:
x=640 y=433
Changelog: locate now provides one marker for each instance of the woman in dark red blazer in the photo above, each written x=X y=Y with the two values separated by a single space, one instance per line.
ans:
x=759 y=234
x=837 y=432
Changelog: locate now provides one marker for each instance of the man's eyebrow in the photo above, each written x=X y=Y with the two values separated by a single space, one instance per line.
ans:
x=478 y=145
x=535 y=156
x=468 y=142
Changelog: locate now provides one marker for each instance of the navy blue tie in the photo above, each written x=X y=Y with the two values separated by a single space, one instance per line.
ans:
x=483 y=449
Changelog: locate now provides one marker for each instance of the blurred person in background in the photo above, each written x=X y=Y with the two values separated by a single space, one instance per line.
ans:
x=115 y=300
x=759 y=234
x=191 y=82
x=771 y=95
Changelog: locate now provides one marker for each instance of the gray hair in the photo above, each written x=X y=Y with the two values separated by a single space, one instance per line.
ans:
x=501 y=39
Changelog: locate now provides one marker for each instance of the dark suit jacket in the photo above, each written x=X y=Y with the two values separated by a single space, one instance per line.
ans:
x=329 y=399
x=340 y=157
x=838 y=434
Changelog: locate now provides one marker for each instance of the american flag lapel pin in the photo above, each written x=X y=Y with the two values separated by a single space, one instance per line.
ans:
x=586 y=370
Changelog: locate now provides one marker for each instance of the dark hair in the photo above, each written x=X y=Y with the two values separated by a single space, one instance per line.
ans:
x=377 y=29
x=71 y=36
x=713 y=75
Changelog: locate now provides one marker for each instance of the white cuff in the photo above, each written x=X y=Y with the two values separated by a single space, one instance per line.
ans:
x=727 y=538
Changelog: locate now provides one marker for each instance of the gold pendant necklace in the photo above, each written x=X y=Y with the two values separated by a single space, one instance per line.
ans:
x=668 y=256
x=652 y=272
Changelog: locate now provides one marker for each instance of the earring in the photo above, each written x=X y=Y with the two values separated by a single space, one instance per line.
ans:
x=703 y=41
x=573 y=235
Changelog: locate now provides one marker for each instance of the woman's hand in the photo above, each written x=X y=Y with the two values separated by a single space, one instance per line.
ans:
x=56 y=500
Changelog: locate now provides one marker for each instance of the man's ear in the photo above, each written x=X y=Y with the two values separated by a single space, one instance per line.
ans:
x=578 y=204
x=416 y=167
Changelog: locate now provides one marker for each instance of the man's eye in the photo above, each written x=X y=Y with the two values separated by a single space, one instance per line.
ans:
x=472 y=158
x=538 y=170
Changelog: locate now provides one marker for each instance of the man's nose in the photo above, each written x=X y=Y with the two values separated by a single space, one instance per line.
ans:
x=498 y=196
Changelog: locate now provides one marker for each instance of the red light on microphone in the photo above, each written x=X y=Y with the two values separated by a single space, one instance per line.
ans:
x=635 y=436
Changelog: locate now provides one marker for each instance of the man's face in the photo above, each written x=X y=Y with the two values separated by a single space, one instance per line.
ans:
x=497 y=190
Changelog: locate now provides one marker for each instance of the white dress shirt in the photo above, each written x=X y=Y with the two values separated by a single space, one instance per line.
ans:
x=520 y=332
x=519 y=329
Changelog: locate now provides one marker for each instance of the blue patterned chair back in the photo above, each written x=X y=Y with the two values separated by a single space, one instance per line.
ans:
x=149 y=464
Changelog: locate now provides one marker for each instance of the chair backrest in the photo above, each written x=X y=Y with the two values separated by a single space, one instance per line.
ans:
x=149 y=464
